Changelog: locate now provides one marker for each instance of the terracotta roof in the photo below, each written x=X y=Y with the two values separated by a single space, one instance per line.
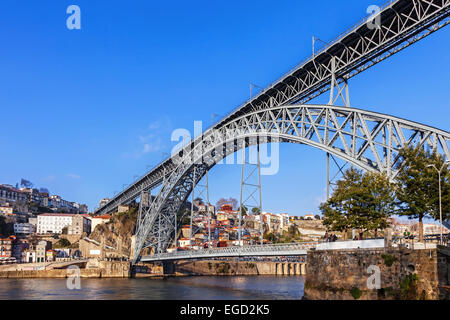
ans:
x=104 y=217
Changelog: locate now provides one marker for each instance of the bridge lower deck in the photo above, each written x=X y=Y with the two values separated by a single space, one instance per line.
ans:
x=295 y=249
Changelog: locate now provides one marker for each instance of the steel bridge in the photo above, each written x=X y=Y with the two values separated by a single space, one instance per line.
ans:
x=277 y=250
x=279 y=113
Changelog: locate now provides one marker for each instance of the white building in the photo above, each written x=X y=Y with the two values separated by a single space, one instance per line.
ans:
x=103 y=202
x=96 y=220
x=53 y=222
x=284 y=220
x=431 y=228
x=57 y=202
x=56 y=222
x=24 y=228
x=183 y=242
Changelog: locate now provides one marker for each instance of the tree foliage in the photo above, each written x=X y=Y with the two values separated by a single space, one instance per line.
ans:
x=255 y=210
x=198 y=200
x=6 y=229
x=44 y=190
x=270 y=237
x=232 y=201
x=244 y=210
x=26 y=183
x=62 y=243
x=360 y=201
x=418 y=185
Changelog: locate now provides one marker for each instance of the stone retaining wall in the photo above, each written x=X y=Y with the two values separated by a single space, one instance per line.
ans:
x=101 y=269
x=404 y=274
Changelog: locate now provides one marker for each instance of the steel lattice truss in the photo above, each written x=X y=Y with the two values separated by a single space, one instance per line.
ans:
x=367 y=139
x=402 y=23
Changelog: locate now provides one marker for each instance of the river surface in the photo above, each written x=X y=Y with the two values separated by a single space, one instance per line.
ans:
x=190 y=288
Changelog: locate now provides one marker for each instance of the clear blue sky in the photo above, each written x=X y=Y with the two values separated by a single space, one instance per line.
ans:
x=79 y=106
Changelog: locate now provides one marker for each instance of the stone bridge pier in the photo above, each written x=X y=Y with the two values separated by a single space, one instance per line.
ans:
x=289 y=268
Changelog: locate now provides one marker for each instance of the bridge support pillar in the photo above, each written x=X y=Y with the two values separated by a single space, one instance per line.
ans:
x=168 y=267
x=303 y=269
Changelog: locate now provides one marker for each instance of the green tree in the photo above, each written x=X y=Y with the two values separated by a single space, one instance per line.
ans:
x=5 y=229
x=244 y=210
x=270 y=237
x=186 y=218
x=417 y=185
x=360 y=201
x=198 y=200
x=255 y=210
x=63 y=243
x=341 y=209
x=292 y=233
x=379 y=198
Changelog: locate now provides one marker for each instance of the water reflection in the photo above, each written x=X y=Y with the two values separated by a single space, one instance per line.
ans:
x=197 y=288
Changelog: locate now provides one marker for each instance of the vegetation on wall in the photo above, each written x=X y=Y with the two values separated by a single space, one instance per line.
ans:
x=388 y=259
x=356 y=293
x=62 y=243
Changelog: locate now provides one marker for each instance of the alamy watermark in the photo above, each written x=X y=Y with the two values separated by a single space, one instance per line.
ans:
x=74 y=20
x=374 y=21
x=73 y=278
x=374 y=280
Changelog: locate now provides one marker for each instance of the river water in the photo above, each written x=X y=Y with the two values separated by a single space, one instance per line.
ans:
x=191 y=288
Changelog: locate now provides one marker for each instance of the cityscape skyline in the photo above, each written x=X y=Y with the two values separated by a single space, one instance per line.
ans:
x=118 y=119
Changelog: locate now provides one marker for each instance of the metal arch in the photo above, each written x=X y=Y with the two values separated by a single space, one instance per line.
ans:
x=402 y=23
x=367 y=139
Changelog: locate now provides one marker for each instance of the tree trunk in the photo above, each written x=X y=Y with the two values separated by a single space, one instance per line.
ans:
x=420 y=229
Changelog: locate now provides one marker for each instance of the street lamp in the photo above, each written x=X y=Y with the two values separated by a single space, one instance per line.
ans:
x=440 y=200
